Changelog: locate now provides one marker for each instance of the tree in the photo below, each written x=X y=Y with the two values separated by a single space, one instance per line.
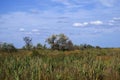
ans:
x=60 y=42
x=28 y=43
x=40 y=46
x=70 y=45
x=51 y=41
x=0 y=45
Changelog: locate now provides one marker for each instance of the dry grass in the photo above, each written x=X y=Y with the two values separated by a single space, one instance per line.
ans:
x=89 y=64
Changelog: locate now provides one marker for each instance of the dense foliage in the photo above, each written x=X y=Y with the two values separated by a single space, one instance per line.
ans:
x=60 y=42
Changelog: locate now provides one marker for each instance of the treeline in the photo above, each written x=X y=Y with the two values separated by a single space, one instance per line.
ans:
x=56 y=42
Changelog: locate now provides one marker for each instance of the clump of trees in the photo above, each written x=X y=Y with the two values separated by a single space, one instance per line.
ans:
x=30 y=46
x=7 y=47
x=60 y=42
x=56 y=42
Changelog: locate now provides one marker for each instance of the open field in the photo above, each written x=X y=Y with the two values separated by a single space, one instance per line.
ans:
x=59 y=39
x=89 y=64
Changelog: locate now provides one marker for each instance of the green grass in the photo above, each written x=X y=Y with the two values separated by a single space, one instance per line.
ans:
x=89 y=64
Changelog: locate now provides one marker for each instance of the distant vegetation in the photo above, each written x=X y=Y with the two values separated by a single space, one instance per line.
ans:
x=56 y=42
x=6 y=47
x=60 y=42
x=61 y=61
x=28 y=43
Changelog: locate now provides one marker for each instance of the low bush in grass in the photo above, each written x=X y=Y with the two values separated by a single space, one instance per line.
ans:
x=35 y=53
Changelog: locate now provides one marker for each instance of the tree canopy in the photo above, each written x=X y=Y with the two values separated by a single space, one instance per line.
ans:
x=60 y=42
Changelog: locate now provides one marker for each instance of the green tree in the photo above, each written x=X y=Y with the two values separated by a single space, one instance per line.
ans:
x=52 y=41
x=60 y=42
x=28 y=43
x=70 y=45
x=40 y=46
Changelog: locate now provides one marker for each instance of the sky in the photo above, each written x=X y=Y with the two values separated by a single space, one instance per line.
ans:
x=95 y=22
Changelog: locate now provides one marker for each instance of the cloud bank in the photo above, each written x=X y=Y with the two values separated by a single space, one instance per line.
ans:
x=97 y=22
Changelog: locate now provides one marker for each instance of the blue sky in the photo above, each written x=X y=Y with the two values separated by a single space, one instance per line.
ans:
x=95 y=22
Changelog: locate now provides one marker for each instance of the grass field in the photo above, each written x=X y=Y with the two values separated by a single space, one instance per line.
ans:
x=88 y=64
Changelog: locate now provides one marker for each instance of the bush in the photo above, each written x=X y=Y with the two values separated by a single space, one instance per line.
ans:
x=35 y=53
x=98 y=47
x=6 y=47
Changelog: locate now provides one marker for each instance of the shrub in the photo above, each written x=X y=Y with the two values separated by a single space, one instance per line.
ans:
x=7 y=47
x=35 y=53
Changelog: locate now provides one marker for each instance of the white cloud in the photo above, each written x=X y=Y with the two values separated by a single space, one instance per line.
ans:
x=110 y=24
x=80 y=24
x=21 y=29
x=108 y=3
x=72 y=4
x=65 y=2
x=37 y=33
x=114 y=21
x=116 y=18
x=96 y=22
x=87 y=23
x=28 y=33
x=111 y=21
x=35 y=30
x=77 y=24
